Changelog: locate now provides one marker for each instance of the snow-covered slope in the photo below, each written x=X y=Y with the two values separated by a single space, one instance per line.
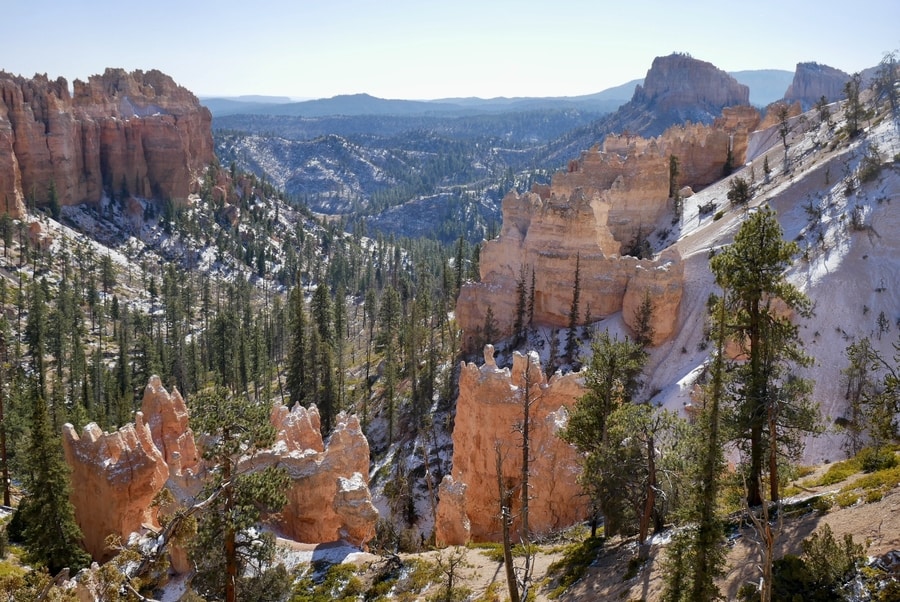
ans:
x=849 y=234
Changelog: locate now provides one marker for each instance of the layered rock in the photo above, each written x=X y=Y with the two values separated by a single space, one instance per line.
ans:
x=329 y=497
x=677 y=89
x=589 y=215
x=812 y=81
x=115 y=476
x=489 y=408
x=167 y=417
x=119 y=133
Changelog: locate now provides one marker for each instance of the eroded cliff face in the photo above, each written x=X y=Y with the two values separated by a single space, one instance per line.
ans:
x=812 y=81
x=115 y=476
x=489 y=407
x=119 y=133
x=590 y=215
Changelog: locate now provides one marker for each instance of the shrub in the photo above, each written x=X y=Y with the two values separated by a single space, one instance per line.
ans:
x=718 y=215
x=870 y=165
x=845 y=499
x=738 y=191
x=839 y=471
x=883 y=479
x=874 y=459
x=574 y=563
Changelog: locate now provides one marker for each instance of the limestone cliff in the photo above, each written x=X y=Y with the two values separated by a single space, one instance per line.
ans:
x=590 y=215
x=489 y=408
x=812 y=81
x=118 y=133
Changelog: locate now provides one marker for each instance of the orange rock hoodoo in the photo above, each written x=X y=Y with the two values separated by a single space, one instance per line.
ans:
x=116 y=475
x=489 y=408
x=120 y=133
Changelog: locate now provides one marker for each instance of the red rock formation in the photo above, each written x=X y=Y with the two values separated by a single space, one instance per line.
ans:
x=167 y=417
x=592 y=212
x=329 y=497
x=120 y=133
x=678 y=80
x=452 y=526
x=677 y=89
x=115 y=476
x=487 y=411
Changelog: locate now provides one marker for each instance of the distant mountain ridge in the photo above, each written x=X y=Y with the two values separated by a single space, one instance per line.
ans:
x=766 y=86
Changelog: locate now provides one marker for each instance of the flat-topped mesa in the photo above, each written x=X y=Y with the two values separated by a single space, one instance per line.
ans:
x=490 y=404
x=812 y=81
x=120 y=134
x=115 y=477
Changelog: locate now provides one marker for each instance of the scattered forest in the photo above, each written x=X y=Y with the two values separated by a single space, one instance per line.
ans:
x=270 y=302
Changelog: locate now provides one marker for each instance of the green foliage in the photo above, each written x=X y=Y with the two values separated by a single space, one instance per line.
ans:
x=337 y=582
x=50 y=534
x=837 y=472
x=612 y=380
x=873 y=459
x=870 y=164
x=845 y=499
x=228 y=551
x=738 y=191
x=770 y=407
x=576 y=559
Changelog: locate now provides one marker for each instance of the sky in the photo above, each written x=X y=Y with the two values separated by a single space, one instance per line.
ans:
x=425 y=49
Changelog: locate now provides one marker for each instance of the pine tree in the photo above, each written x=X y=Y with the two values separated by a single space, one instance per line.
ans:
x=751 y=274
x=231 y=554
x=51 y=534
x=612 y=379
x=572 y=338
x=296 y=368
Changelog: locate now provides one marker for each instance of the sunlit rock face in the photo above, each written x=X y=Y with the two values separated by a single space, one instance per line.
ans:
x=489 y=411
x=121 y=134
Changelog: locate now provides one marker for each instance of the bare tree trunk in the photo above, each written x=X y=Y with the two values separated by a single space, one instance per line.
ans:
x=505 y=520
x=649 y=502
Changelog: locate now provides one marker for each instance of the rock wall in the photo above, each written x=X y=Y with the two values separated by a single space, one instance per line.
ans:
x=120 y=133
x=329 y=496
x=812 y=81
x=590 y=214
x=489 y=407
x=116 y=475
x=679 y=80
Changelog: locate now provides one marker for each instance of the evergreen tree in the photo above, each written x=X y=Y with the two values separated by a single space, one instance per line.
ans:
x=853 y=107
x=612 y=379
x=296 y=368
x=751 y=274
x=231 y=554
x=51 y=535
x=572 y=338
x=389 y=316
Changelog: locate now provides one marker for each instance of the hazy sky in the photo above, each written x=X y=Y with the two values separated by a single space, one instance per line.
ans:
x=424 y=49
